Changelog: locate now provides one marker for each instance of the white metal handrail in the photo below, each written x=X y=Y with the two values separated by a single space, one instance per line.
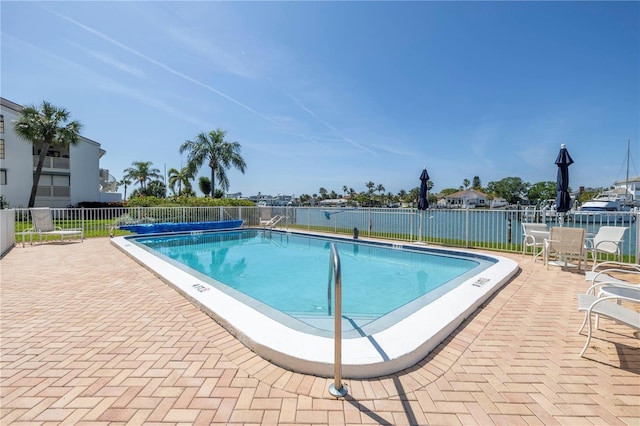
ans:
x=337 y=388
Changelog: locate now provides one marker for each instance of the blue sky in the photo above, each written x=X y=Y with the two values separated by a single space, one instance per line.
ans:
x=328 y=94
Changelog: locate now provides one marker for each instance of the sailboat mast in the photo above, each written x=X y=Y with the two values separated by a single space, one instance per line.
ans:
x=626 y=182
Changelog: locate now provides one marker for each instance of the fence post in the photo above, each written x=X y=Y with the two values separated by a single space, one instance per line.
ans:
x=466 y=228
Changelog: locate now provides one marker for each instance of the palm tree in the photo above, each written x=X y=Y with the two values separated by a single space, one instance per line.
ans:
x=380 y=188
x=156 y=188
x=204 y=183
x=45 y=127
x=141 y=172
x=323 y=193
x=124 y=182
x=414 y=193
x=370 y=186
x=402 y=195
x=180 y=177
x=219 y=154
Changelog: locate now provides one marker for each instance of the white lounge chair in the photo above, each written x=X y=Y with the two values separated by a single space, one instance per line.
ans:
x=605 y=271
x=270 y=223
x=42 y=220
x=534 y=235
x=608 y=240
x=602 y=304
x=566 y=243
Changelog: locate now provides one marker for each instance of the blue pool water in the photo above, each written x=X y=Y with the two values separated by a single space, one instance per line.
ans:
x=285 y=275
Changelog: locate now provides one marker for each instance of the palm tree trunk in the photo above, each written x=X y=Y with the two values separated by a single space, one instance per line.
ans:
x=213 y=182
x=38 y=172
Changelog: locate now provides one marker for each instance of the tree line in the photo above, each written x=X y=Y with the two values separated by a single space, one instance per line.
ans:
x=48 y=127
x=208 y=148
x=512 y=189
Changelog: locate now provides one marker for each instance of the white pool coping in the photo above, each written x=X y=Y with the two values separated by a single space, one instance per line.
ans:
x=400 y=346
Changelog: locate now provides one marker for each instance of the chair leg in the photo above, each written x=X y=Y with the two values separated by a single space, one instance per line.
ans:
x=586 y=344
x=584 y=322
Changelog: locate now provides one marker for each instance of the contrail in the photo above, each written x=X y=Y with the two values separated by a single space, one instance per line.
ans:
x=164 y=67
x=333 y=128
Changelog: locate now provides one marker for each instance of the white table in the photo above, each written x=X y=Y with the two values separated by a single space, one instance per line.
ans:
x=619 y=291
x=539 y=236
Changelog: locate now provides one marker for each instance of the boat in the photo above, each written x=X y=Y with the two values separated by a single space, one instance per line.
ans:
x=607 y=207
x=548 y=212
x=498 y=203
x=614 y=206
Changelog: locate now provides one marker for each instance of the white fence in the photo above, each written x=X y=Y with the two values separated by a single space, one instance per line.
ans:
x=498 y=230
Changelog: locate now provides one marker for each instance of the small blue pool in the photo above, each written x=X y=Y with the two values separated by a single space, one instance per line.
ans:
x=270 y=289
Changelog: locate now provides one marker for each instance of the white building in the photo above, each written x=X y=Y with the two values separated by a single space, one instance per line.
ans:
x=468 y=198
x=69 y=176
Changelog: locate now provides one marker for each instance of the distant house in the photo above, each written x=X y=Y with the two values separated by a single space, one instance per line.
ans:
x=468 y=198
x=498 y=203
x=333 y=202
x=69 y=176
x=628 y=189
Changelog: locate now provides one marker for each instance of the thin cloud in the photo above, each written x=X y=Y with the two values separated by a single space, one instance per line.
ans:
x=208 y=87
x=104 y=58
x=106 y=84
x=333 y=128
x=392 y=150
x=164 y=67
x=235 y=64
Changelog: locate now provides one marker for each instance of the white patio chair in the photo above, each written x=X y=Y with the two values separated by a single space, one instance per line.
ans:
x=567 y=244
x=603 y=304
x=534 y=235
x=608 y=240
x=42 y=220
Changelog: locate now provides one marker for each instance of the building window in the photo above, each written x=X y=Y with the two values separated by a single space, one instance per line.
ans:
x=54 y=186
x=1 y=123
x=3 y=177
x=2 y=149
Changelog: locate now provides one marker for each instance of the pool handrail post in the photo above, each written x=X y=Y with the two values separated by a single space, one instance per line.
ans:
x=337 y=388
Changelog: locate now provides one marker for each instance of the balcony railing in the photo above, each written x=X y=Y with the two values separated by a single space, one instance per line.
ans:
x=53 y=162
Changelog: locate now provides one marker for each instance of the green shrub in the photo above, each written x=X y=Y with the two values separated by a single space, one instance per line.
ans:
x=186 y=201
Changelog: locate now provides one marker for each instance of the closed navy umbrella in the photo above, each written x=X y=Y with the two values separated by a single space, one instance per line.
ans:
x=563 y=199
x=423 y=201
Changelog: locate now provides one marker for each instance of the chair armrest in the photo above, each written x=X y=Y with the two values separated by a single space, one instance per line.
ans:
x=616 y=242
x=607 y=271
x=616 y=264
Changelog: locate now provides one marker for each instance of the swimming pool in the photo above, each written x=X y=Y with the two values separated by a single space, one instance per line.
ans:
x=396 y=308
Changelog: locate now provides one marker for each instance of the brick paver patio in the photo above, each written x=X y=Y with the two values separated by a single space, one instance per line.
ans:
x=88 y=336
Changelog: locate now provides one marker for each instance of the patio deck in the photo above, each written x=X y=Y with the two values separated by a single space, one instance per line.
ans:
x=89 y=336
